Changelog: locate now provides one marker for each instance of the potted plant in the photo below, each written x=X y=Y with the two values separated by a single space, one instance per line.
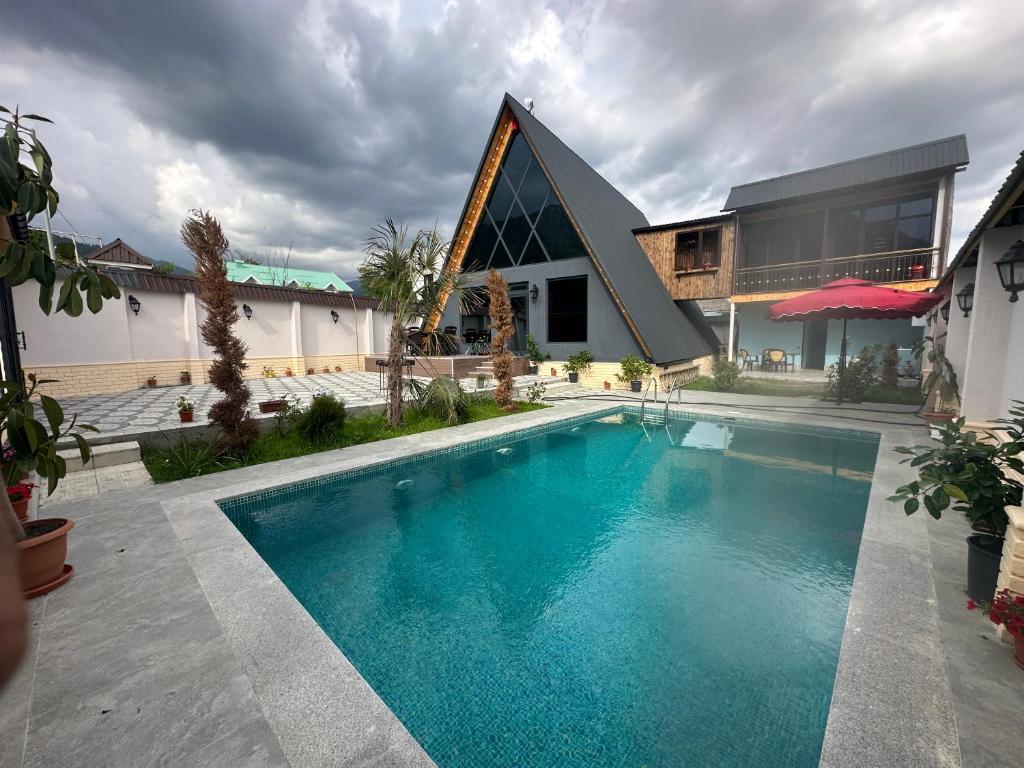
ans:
x=971 y=475
x=273 y=406
x=288 y=372
x=41 y=556
x=1006 y=609
x=326 y=369
x=185 y=377
x=607 y=384
x=151 y=381
x=577 y=363
x=310 y=371
x=534 y=354
x=554 y=373
x=633 y=370
x=708 y=265
x=481 y=380
x=186 y=407
x=20 y=494
x=268 y=372
x=337 y=369
x=941 y=381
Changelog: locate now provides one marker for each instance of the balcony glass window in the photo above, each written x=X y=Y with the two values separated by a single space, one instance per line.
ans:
x=882 y=227
x=782 y=241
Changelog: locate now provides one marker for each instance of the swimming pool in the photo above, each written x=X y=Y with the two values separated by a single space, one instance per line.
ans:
x=595 y=594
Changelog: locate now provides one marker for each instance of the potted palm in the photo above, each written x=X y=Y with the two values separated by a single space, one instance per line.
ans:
x=632 y=371
x=186 y=407
x=577 y=363
x=970 y=474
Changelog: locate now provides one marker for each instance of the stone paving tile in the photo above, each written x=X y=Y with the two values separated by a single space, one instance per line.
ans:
x=145 y=410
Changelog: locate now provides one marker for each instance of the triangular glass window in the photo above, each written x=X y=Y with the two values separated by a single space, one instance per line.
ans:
x=524 y=222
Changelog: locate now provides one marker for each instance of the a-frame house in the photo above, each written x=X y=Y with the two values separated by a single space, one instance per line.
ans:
x=562 y=237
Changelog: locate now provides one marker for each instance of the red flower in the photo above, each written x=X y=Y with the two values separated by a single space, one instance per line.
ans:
x=995 y=618
x=971 y=605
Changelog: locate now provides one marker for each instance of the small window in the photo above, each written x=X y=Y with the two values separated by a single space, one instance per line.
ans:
x=567 y=309
x=697 y=250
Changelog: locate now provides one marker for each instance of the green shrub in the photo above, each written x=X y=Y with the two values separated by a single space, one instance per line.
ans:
x=890 y=376
x=724 y=374
x=701 y=384
x=859 y=377
x=533 y=351
x=445 y=399
x=322 y=422
x=578 y=362
x=633 y=369
x=186 y=457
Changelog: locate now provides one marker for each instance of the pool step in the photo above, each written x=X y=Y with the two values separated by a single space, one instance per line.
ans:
x=109 y=455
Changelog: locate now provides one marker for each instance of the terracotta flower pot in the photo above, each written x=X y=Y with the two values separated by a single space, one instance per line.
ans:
x=150 y=383
x=289 y=372
x=272 y=406
x=185 y=378
x=21 y=507
x=1018 y=647
x=607 y=385
x=933 y=417
x=185 y=416
x=41 y=556
x=554 y=372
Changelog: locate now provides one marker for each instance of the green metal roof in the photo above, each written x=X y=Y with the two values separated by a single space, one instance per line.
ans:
x=240 y=272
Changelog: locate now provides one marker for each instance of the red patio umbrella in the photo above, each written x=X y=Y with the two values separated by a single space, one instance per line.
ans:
x=853 y=299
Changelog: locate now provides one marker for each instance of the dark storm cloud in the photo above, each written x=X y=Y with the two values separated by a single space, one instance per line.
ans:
x=352 y=114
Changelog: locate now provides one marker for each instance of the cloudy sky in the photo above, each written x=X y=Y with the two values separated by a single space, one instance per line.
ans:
x=301 y=124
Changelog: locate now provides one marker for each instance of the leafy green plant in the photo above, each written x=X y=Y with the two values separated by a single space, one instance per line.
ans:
x=941 y=378
x=533 y=351
x=857 y=378
x=579 y=362
x=443 y=398
x=323 y=420
x=632 y=368
x=724 y=375
x=284 y=418
x=189 y=456
x=967 y=472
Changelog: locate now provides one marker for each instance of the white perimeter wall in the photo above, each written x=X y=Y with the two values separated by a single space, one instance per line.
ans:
x=167 y=328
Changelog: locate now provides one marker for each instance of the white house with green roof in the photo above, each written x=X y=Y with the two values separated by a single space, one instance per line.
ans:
x=289 y=277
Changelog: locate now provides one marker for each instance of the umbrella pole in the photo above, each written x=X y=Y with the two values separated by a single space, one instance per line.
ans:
x=842 y=366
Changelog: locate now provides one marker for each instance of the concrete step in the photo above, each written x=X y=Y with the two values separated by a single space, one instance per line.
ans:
x=109 y=455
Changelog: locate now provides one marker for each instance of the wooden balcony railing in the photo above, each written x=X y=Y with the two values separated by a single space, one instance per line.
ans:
x=894 y=267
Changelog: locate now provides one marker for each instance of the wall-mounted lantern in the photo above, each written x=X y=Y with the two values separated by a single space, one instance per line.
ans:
x=945 y=312
x=965 y=298
x=248 y=311
x=1011 y=270
x=134 y=303
x=534 y=292
x=335 y=316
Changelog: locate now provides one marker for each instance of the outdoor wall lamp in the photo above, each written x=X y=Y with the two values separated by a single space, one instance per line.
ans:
x=334 y=316
x=534 y=292
x=1011 y=270
x=134 y=303
x=248 y=311
x=965 y=298
x=945 y=312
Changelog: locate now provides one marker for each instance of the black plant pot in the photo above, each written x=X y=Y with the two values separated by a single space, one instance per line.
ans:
x=635 y=386
x=533 y=369
x=983 y=556
x=574 y=377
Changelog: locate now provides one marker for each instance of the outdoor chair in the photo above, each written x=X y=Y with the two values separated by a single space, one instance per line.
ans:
x=774 y=359
x=470 y=336
x=745 y=360
x=450 y=330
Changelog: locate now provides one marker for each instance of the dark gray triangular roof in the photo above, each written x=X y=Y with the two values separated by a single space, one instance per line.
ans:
x=931 y=156
x=606 y=220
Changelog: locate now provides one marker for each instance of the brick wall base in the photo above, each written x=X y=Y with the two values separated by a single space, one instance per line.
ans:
x=110 y=378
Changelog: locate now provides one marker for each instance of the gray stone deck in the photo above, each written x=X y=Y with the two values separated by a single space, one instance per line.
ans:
x=174 y=644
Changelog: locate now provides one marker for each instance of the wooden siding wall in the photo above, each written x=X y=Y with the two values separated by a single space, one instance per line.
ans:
x=660 y=247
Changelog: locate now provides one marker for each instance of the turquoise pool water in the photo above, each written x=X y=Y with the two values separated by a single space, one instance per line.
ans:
x=594 y=596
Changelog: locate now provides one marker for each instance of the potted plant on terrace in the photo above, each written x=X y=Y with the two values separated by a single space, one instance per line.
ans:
x=151 y=381
x=186 y=407
x=1006 y=609
x=633 y=370
x=577 y=363
x=19 y=495
x=534 y=354
x=971 y=475
x=185 y=377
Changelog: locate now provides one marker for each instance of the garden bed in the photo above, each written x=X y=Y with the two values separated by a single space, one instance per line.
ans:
x=781 y=388
x=194 y=457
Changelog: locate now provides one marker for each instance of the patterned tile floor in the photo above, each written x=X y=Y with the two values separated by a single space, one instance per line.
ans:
x=148 y=410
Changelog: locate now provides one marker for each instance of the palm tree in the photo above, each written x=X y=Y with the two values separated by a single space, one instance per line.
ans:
x=406 y=273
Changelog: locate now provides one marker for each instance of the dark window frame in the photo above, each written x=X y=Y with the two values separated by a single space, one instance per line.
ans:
x=681 y=259
x=859 y=213
x=585 y=313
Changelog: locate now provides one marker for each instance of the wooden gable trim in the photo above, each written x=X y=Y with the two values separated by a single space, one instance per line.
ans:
x=501 y=136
